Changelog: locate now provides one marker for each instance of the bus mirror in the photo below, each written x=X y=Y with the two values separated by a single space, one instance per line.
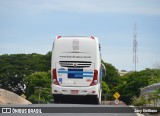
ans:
x=103 y=70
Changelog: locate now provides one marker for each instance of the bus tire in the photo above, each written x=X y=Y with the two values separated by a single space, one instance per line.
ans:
x=57 y=98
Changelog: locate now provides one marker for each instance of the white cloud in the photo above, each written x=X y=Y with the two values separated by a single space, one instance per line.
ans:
x=140 y=7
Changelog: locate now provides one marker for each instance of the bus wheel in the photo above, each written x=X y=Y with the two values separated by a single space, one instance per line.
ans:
x=56 y=101
x=94 y=99
x=98 y=100
x=57 y=98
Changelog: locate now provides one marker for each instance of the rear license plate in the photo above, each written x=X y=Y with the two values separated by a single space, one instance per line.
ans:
x=74 y=91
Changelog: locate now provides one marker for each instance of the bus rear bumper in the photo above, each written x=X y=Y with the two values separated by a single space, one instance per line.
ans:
x=82 y=91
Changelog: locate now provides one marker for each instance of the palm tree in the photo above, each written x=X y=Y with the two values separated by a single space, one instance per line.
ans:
x=155 y=96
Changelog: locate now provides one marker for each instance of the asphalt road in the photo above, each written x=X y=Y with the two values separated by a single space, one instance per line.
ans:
x=63 y=109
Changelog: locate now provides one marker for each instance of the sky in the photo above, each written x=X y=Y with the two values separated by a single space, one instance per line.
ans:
x=30 y=26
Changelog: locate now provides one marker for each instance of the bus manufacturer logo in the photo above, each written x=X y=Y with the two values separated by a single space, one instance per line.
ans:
x=75 y=65
x=75 y=44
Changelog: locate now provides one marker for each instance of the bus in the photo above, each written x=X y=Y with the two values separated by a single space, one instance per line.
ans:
x=76 y=68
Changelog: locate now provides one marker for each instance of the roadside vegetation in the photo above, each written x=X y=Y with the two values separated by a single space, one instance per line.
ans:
x=29 y=75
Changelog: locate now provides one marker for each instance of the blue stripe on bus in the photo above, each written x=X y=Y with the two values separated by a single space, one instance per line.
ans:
x=75 y=72
x=83 y=75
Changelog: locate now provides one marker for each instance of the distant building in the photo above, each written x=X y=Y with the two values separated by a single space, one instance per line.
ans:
x=122 y=72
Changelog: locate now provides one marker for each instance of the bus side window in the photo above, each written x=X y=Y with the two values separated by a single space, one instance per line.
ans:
x=101 y=74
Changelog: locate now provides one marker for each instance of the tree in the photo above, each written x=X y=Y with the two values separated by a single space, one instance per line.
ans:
x=133 y=82
x=12 y=73
x=112 y=77
x=39 y=87
x=154 y=76
x=111 y=80
x=15 y=68
x=105 y=90
x=154 y=97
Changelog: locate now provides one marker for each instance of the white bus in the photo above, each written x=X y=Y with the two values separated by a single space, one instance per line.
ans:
x=76 y=68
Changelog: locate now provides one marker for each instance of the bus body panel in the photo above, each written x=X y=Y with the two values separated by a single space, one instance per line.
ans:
x=75 y=60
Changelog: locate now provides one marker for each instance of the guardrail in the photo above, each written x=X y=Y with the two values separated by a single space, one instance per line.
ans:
x=149 y=89
x=146 y=91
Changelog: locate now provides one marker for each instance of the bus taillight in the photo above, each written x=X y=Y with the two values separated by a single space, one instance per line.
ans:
x=95 y=78
x=59 y=37
x=54 y=74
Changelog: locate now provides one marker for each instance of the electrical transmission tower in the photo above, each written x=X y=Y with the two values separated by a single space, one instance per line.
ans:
x=135 y=48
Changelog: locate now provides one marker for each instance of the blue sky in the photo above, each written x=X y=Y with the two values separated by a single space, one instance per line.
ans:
x=30 y=27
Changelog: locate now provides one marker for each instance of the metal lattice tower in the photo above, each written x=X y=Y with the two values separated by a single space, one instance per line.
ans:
x=135 y=48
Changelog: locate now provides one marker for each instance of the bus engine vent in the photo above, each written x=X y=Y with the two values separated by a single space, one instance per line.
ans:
x=75 y=64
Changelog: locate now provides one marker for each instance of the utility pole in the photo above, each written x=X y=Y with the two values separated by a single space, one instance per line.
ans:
x=39 y=94
x=135 y=46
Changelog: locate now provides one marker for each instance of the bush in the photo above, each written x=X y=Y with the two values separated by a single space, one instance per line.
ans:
x=138 y=101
